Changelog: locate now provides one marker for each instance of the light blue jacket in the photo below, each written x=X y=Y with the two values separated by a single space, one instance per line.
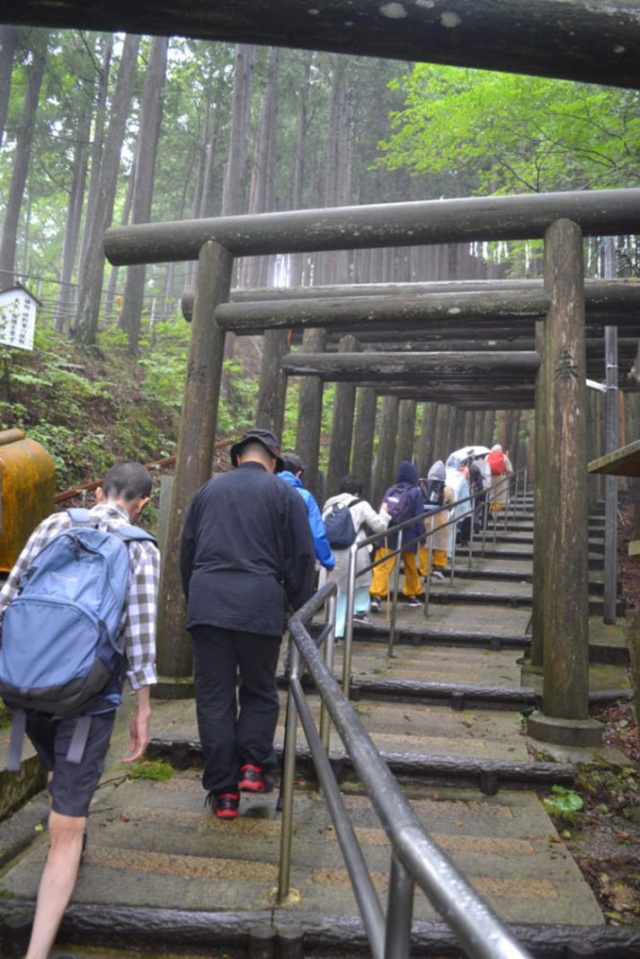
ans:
x=324 y=553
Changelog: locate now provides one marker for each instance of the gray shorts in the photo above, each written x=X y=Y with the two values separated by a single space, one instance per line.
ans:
x=72 y=785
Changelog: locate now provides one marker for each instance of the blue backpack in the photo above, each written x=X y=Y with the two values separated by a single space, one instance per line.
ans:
x=61 y=649
x=341 y=531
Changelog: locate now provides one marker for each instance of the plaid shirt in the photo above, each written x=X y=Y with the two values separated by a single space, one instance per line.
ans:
x=139 y=618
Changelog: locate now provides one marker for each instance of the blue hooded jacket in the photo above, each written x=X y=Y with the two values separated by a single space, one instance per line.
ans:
x=324 y=553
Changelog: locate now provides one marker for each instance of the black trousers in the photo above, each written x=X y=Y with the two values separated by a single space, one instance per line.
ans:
x=234 y=728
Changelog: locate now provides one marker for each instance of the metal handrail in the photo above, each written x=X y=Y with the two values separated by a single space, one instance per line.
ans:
x=415 y=858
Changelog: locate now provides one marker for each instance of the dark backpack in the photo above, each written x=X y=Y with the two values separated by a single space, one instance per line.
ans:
x=61 y=645
x=399 y=504
x=341 y=531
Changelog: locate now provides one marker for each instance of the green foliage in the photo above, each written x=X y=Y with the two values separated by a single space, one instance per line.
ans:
x=487 y=132
x=563 y=803
x=153 y=769
x=88 y=411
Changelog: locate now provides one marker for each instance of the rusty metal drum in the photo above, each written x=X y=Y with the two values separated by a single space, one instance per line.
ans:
x=27 y=487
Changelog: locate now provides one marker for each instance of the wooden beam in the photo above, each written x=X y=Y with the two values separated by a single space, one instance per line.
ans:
x=513 y=365
x=621 y=462
x=598 y=289
x=354 y=313
x=518 y=217
x=586 y=40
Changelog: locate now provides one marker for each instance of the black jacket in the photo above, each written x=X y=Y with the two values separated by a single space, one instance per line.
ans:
x=246 y=552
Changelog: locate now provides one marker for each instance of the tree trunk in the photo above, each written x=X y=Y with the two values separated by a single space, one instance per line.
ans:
x=233 y=189
x=92 y=277
x=22 y=158
x=151 y=118
x=97 y=146
x=298 y=175
x=8 y=43
x=65 y=304
x=334 y=267
x=235 y=173
x=255 y=269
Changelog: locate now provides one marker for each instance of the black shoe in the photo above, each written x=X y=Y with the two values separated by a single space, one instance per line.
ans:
x=224 y=805
x=253 y=779
x=414 y=602
x=375 y=604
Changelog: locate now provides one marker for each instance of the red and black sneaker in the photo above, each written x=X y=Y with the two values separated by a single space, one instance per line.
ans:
x=224 y=805
x=253 y=780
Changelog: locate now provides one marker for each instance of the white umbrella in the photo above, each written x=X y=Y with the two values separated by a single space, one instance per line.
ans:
x=470 y=452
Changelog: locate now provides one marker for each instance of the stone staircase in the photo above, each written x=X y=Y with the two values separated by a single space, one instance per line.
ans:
x=162 y=877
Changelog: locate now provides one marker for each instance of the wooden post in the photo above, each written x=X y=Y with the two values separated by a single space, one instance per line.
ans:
x=565 y=699
x=611 y=482
x=273 y=382
x=441 y=447
x=195 y=451
x=469 y=431
x=342 y=428
x=310 y=416
x=363 y=434
x=542 y=515
x=501 y=429
x=425 y=443
x=406 y=430
x=489 y=427
x=385 y=464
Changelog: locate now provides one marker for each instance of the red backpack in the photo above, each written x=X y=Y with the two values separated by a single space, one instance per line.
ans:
x=495 y=459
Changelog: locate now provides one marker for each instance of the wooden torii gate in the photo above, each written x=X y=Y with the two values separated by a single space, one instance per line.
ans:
x=587 y=40
x=561 y=219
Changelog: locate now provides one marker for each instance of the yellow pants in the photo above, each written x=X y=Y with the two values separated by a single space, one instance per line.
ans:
x=382 y=574
x=438 y=559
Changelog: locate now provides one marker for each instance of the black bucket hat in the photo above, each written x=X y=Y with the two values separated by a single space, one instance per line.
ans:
x=257 y=435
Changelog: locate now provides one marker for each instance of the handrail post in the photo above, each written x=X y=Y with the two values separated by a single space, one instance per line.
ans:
x=453 y=525
x=394 y=602
x=399 y=911
x=348 y=629
x=325 y=722
x=427 y=580
x=288 y=775
x=472 y=530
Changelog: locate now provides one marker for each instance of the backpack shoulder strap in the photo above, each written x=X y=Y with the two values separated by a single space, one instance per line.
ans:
x=127 y=533
x=82 y=517
x=353 y=502
x=18 y=727
x=79 y=515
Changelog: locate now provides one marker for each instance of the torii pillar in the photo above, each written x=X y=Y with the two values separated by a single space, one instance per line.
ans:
x=564 y=718
x=194 y=459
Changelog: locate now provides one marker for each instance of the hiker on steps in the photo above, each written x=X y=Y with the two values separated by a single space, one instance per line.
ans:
x=365 y=521
x=438 y=495
x=501 y=470
x=71 y=783
x=292 y=473
x=403 y=501
x=247 y=555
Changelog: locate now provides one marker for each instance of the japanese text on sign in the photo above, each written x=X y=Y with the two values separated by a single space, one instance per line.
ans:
x=17 y=318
